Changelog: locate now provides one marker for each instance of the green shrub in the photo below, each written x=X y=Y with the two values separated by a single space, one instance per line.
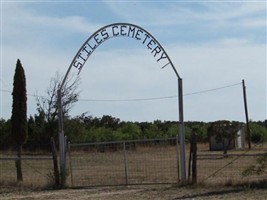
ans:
x=257 y=133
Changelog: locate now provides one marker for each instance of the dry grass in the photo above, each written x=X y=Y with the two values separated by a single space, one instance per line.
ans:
x=158 y=164
x=149 y=164
x=36 y=173
x=145 y=164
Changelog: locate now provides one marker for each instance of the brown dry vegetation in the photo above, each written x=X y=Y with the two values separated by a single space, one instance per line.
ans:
x=145 y=165
x=159 y=165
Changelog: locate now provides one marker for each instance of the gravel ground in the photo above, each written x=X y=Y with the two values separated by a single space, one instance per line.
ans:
x=155 y=192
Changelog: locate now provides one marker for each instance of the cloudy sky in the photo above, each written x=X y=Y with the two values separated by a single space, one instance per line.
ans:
x=212 y=44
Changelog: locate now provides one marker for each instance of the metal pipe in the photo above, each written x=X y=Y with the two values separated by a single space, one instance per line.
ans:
x=181 y=132
x=61 y=138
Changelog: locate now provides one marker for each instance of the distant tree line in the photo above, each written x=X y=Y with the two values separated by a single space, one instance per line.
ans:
x=86 y=128
x=36 y=131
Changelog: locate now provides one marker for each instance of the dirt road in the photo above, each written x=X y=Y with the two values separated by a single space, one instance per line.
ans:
x=158 y=192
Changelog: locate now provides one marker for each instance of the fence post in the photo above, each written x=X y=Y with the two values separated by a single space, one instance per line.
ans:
x=194 y=156
x=181 y=132
x=55 y=162
x=125 y=163
x=246 y=113
x=190 y=161
x=71 y=177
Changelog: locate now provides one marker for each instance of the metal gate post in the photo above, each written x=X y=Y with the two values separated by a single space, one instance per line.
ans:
x=177 y=156
x=181 y=132
x=62 y=154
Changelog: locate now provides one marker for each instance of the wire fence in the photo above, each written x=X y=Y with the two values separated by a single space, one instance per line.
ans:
x=216 y=168
x=37 y=166
x=134 y=162
x=124 y=163
x=37 y=171
x=156 y=162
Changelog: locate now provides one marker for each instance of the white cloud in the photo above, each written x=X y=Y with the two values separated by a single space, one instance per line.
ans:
x=175 y=13
x=253 y=23
x=122 y=69
x=207 y=67
x=70 y=23
x=232 y=10
x=33 y=27
x=108 y=75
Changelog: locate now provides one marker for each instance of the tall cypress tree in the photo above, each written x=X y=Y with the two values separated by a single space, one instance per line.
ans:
x=19 y=128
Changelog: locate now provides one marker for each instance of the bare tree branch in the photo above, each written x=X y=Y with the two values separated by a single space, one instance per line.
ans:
x=48 y=105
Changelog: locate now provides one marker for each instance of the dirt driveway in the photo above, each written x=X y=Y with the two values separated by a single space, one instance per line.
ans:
x=158 y=192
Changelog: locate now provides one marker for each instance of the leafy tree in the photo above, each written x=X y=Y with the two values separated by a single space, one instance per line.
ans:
x=225 y=132
x=19 y=128
x=5 y=130
x=103 y=134
x=75 y=130
x=201 y=128
x=109 y=122
x=258 y=132
x=130 y=131
x=173 y=130
x=202 y=132
x=31 y=130
x=36 y=130
x=152 y=131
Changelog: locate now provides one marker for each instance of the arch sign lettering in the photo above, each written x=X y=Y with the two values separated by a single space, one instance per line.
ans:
x=121 y=30
x=90 y=45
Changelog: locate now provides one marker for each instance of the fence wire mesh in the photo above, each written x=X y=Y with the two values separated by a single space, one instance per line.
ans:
x=156 y=161
x=36 y=164
x=215 y=168
x=36 y=171
x=134 y=162
x=124 y=163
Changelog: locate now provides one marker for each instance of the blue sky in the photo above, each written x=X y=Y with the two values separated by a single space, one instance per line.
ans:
x=211 y=43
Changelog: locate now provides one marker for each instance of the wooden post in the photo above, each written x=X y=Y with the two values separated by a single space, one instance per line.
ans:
x=69 y=153
x=54 y=155
x=190 y=161
x=194 y=157
x=246 y=113
x=125 y=163
x=192 y=166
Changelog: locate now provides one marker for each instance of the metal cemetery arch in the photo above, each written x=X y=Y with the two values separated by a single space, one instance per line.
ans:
x=90 y=45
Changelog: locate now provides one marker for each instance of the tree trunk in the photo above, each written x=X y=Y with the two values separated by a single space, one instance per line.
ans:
x=226 y=147
x=18 y=164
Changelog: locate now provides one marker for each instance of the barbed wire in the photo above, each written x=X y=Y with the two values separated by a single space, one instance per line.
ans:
x=160 y=98
x=142 y=99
